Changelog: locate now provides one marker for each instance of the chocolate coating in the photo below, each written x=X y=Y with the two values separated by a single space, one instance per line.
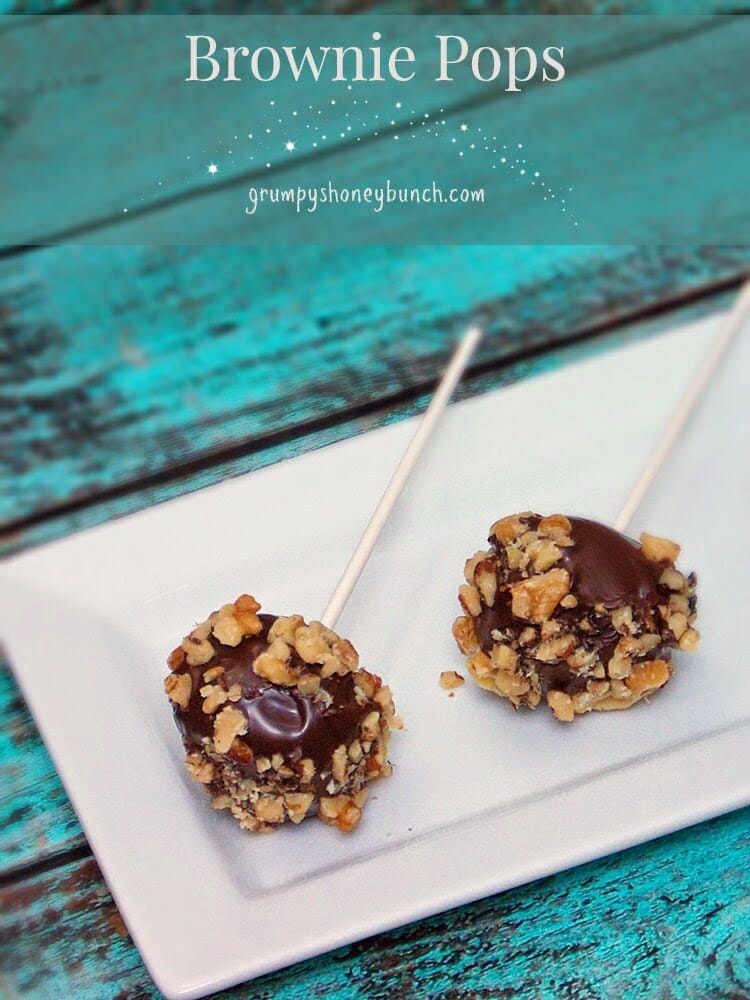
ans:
x=608 y=568
x=280 y=720
x=572 y=610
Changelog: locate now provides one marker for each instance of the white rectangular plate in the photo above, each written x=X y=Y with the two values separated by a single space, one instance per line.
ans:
x=479 y=792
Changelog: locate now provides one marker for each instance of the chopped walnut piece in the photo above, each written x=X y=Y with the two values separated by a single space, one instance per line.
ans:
x=227 y=724
x=346 y=653
x=270 y=808
x=555 y=649
x=511 y=685
x=365 y=681
x=341 y=811
x=689 y=640
x=657 y=549
x=298 y=804
x=470 y=600
x=544 y=554
x=450 y=680
x=507 y=528
x=213 y=696
x=310 y=644
x=481 y=664
x=198 y=650
x=203 y=630
x=228 y=630
x=471 y=564
x=370 y=726
x=339 y=763
x=332 y=665
x=176 y=658
x=246 y=603
x=486 y=582
x=240 y=752
x=199 y=768
x=211 y=674
x=561 y=705
x=348 y=818
x=274 y=670
x=648 y=675
x=503 y=657
x=537 y=597
x=178 y=688
x=557 y=527
x=678 y=623
x=306 y=770
x=285 y=628
x=465 y=634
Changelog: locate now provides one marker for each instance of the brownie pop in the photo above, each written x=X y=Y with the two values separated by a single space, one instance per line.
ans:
x=277 y=718
x=570 y=611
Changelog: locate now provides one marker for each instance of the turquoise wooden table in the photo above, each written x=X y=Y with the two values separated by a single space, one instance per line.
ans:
x=102 y=416
x=101 y=425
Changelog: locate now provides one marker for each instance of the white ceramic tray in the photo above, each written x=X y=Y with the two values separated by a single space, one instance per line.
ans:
x=480 y=793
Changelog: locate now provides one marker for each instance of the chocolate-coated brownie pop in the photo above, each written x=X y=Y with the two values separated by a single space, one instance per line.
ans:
x=278 y=720
x=570 y=611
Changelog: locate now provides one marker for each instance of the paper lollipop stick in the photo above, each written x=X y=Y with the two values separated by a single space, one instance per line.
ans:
x=465 y=349
x=733 y=322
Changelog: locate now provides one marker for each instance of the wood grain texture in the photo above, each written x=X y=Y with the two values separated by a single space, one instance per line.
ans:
x=130 y=366
x=31 y=7
x=36 y=821
x=144 y=181
x=670 y=919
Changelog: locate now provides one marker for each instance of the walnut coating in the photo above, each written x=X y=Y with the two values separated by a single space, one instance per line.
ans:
x=570 y=611
x=278 y=720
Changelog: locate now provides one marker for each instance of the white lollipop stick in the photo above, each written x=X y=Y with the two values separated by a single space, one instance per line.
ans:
x=466 y=347
x=732 y=323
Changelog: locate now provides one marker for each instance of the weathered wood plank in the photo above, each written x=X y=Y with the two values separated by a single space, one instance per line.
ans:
x=36 y=821
x=20 y=7
x=127 y=366
x=615 y=164
x=142 y=165
x=681 y=930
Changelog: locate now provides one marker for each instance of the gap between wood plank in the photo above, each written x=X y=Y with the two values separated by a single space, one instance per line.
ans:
x=32 y=869
x=478 y=100
x=244 y=448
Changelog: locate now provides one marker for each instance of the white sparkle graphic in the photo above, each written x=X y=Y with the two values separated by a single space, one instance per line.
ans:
x=349 y=118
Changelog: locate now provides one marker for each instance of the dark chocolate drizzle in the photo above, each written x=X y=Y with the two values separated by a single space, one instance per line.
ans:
x=280 y=720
